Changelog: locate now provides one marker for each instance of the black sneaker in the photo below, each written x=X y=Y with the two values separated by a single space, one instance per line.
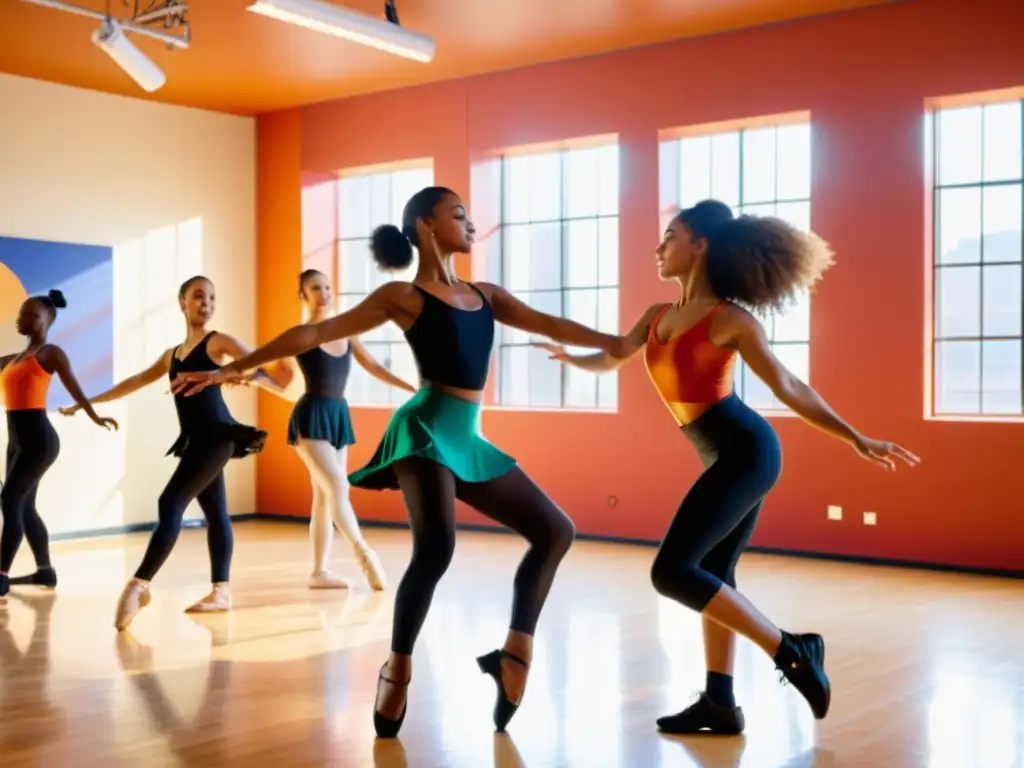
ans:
x=801 y=660
x=704 y=716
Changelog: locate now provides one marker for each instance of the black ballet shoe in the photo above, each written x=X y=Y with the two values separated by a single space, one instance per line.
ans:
x=386 y=727
x=5 y=585
x=44 y=577
x=490 y=664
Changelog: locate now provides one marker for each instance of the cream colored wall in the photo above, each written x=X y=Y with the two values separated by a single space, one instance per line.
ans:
x=173 y=191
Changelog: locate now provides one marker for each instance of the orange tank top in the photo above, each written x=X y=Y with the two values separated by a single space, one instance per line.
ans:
x=25 y=385
x=690 y=373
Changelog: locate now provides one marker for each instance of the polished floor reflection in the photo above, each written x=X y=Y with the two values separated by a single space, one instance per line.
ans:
x=927 y=669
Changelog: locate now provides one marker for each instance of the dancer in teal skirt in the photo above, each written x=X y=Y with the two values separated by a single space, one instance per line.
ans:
x=433 y=449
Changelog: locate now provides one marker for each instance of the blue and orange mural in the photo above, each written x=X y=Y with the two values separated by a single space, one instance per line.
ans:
x=85 y=329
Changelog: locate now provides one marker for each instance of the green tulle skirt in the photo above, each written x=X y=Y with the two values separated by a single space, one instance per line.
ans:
x=442 y=428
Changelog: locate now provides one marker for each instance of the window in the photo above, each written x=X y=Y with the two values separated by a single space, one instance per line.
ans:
x=364 y=203
x=557 y=249
x=978 y=209
x=761 y=171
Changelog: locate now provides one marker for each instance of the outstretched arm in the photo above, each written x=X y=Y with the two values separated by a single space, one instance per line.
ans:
x=54 y=360
x=602 y=362
x=129 y=385
x=375 y=369
x=274 y=377
x=750 y=340
x=511 y=311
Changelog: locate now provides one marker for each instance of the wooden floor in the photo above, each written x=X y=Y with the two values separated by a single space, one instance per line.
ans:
x=927 y=669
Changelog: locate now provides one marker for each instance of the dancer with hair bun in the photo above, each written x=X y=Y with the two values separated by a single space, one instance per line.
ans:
x=723 y=264
x=210 y=437
x=32 y=442
x=320 y=428
x=433 y=449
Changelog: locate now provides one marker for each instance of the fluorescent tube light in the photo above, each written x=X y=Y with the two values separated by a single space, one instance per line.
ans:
x=110 y=38
x=350 y=25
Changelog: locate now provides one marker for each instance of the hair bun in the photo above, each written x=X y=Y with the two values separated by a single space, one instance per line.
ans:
x=390 y=247
x=57 y=298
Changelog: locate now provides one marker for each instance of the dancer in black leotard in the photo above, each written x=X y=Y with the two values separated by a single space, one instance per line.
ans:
x=32 y=442
x=722 y=263
x=320 y=428
x=210 y=437
x=433 y=449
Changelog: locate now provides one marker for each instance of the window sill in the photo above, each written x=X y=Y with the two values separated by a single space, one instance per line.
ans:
x=976 y=419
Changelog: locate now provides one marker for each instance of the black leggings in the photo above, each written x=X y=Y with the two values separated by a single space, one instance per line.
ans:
x=200 y=476
x=513 y=500
x=32 y=448
x=742 y=461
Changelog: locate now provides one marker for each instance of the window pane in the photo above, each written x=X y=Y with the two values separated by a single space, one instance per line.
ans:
x=959 y=219
x=694 y=170
x=959 y=145
x=581 y=306
x=377 y=395
x=1001 y=216
x=608 y=391
x=354 y=207
x=1002 y=136
x=354 y=266
x=514 y=364
x=546 y=186
x=608 y=179
x=759 y=165
x=545 y=377
x=958 y=376
x=516 y=252
x=1000 y=376
x=403 y=365
x=581 y=183
x=668 y=175
x=545 y=256
x=608 y=251
x=608 y=310
x=380 y=199
x=795 y=323
x=958 y=300
x=758 y=209
x=756 y=393
x=405 y=184
x=516 y=189
x=797 y=214
x=725 y=168
x=581 y=388
x=794 y=159
x=1001 y=301
x=581 y=263
x=796 y=357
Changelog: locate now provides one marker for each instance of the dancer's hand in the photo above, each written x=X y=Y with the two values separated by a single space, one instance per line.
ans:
x=882 y=453
x=193 y=382
x=556 y=351
x=105 y=422
x=70 y=410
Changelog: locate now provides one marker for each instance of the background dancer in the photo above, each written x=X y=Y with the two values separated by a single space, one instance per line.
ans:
x=721 y=262
x=32 y=442
x=210 y=437
x=320 y=428
x=433 y=449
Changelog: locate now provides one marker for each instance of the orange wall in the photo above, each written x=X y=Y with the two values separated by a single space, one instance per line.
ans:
x=864 y=77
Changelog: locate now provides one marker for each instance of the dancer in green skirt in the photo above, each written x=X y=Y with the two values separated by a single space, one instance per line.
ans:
x=433 y=449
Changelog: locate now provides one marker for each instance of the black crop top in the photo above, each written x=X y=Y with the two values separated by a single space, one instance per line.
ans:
x=196 y=412
x=326 y=375
x=452 y=346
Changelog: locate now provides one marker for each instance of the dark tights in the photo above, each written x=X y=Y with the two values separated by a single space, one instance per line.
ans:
x=200 y=476
x=430 y=491
x=32 y=448
x=713 y=525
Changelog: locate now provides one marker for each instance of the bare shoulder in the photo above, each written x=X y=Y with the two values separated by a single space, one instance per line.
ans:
x=732 y=323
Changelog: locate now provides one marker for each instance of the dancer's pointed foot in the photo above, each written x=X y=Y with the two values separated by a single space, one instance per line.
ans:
x=509 y=674
x=371 y=566
x=134 y=598
x=392 y=703
x=219 y=600
x=43 y=577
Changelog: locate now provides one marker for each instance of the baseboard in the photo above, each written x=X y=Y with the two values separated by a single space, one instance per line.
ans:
x=122 y=530
x=809 y=555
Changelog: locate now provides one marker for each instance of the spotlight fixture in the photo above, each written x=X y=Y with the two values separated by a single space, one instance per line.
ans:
x=111 y=39
x=384 y=35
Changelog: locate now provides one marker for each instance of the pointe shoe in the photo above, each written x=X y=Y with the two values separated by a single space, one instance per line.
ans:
x=327 y=580
x=134 y=598
x=490 y=664
x=371 y=566
x=218 y=601
x=386 y=727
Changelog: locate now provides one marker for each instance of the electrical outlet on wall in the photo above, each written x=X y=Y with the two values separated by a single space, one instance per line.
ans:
x=834 y=512
x=870 y=518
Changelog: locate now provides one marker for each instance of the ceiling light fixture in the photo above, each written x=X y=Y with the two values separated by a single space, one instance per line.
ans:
x=341 y=22
x=111 y=40
x=173 y=13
